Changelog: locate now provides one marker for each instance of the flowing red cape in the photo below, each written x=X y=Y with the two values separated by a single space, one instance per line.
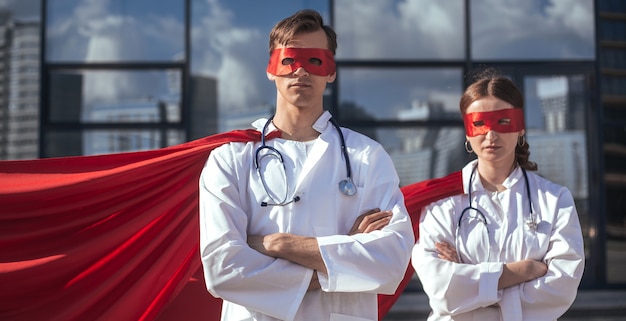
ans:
x=115 y=237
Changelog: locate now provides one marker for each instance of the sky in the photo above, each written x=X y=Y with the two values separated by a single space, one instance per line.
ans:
x=229 y=41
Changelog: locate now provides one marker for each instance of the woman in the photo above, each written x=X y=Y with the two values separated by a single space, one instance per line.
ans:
x=510 y=247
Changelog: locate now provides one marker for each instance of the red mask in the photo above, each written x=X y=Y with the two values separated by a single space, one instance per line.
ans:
x=503 y=121
x=284 y=61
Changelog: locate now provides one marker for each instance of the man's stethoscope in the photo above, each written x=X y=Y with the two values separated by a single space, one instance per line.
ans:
x=346 y=186
x=531 y=222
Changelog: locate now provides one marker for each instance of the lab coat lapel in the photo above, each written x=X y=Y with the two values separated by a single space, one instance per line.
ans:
x=320 y=147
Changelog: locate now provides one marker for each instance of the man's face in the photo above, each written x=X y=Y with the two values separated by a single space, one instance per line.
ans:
x=302 y=82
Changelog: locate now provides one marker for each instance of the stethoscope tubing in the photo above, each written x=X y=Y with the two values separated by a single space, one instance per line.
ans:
x=483 y=218
x=346 y=186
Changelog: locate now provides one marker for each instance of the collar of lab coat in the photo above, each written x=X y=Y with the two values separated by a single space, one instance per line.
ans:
x=320 y=124
x=477 y=185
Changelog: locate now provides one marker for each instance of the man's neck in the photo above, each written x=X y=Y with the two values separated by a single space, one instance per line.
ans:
x=297 y=125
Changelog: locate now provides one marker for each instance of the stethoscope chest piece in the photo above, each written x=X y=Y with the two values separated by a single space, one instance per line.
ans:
x=347 y=187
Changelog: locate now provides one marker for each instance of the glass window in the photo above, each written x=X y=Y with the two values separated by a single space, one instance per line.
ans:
x=392 y=30
x=613 y=58
x=555 y=122
x=230 y=46
x=402 y=94
x=527 y=30
x=422 y=153
x=109 y=141
x=612 y=5
x=555 y=113
x=612 y=30
x=115 y=96
x=115 y=30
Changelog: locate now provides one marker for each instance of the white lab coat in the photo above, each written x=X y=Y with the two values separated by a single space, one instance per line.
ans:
x=470 y=291
x=257 y=287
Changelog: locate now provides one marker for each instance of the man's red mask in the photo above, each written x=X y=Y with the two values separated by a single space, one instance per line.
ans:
x=284 y=61
x=503 y=121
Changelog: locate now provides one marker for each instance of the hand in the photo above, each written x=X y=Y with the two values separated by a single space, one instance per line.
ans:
x=315 y=282
x=447 y=252
x=371 y=220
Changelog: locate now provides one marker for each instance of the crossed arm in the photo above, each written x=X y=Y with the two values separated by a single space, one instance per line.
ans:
x=304 y=250
x=512 y=273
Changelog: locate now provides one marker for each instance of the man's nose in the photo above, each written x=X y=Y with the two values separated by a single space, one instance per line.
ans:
x=300 y=71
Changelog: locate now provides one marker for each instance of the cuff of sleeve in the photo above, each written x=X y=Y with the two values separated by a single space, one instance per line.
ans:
x=489 y=276
x=329 y=246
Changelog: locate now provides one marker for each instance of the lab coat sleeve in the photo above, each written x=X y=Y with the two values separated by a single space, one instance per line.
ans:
x=233 y=271
x=550 y=296
x=372 y=262
x=452 y=288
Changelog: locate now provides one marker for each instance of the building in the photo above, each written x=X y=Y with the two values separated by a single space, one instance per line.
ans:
x=19 y=88
x=402 y=65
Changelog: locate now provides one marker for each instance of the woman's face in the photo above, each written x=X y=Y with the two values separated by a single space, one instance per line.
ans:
x=497 y=148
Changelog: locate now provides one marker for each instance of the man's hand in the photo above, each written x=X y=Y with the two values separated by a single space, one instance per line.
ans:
x=371 y=221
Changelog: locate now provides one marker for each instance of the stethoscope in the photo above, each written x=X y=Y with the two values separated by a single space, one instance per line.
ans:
x=346 y=186
x=531 y=222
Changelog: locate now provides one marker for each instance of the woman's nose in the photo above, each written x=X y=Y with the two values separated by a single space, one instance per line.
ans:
x=491 y=135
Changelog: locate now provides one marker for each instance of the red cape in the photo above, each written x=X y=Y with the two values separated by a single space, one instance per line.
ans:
x=115 y=237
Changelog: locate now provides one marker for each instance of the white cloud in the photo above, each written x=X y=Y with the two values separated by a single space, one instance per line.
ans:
x=400 y=29
x=91 y=33
x=532 y=29
x=230 y=54
x=574 y=15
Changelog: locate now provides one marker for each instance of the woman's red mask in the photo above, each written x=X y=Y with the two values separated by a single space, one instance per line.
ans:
x=284 y=61
x=508 y=120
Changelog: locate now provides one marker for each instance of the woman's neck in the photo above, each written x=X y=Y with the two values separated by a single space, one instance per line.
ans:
x=492 y=176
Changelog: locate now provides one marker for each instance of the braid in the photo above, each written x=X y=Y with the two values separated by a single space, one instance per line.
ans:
x=522 y=153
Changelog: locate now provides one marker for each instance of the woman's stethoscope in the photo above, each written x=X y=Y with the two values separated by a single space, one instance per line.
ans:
x=346 y=186
x=531 y=222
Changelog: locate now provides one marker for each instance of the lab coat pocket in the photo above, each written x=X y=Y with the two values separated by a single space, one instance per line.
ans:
x=537 y=239
x=344 y=317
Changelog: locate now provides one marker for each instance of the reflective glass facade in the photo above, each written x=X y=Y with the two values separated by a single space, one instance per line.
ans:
x=81 y=77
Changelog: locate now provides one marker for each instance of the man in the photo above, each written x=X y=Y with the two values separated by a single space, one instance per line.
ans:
x=291 y=228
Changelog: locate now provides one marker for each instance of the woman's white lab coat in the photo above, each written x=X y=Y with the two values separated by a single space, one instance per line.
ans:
x=469 y=290
x=258 y=287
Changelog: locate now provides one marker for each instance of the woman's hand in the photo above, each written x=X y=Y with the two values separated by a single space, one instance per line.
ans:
x=371 y=220
x=446 y=251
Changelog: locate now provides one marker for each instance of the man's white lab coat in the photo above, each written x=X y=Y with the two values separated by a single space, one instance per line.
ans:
x=257 y=287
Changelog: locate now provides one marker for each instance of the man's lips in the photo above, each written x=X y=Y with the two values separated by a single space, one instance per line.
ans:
x=300 y=85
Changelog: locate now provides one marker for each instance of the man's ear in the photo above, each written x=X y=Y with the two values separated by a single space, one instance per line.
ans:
x=331 y=77
x=270 y=76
